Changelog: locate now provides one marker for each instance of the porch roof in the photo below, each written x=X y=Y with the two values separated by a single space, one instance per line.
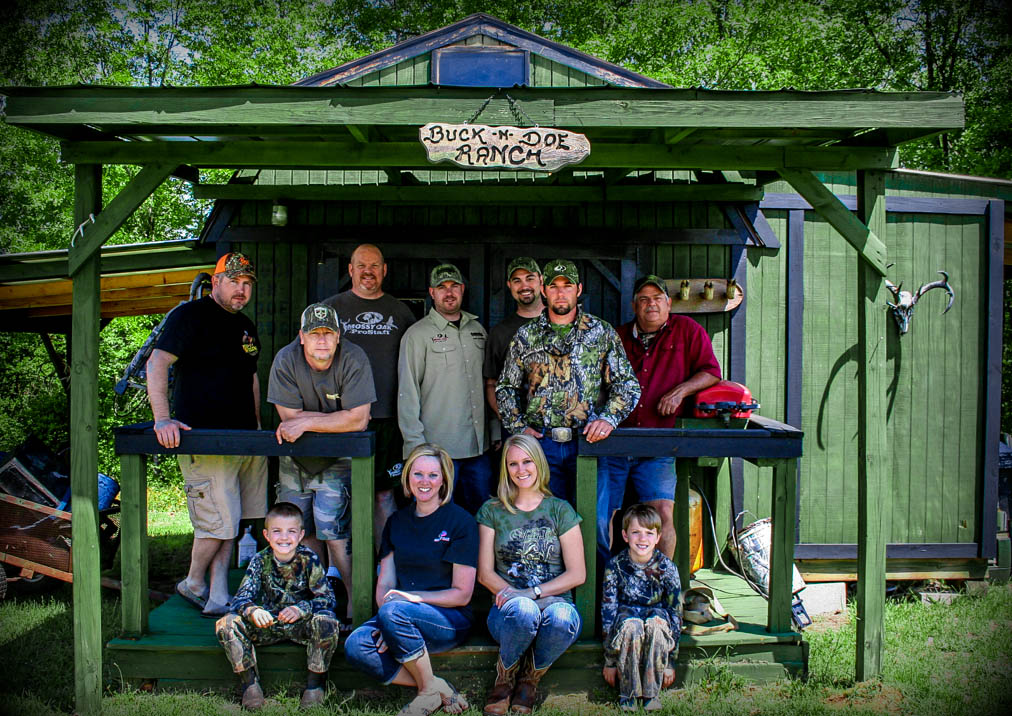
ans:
x=377 y=127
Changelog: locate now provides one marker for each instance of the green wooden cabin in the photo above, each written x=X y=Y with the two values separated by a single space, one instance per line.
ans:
x=900 y=433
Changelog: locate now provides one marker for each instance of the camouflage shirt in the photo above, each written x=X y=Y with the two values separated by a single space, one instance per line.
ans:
x=570 y=380
x=274 y=585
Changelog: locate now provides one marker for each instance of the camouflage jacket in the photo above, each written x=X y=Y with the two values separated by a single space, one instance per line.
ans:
x=641 y=591
x=570 y=381
x=274 y=586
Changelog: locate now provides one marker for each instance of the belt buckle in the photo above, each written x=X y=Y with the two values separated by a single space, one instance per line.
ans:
x=562 y=435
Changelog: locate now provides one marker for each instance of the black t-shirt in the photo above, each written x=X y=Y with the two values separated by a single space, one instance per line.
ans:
x=376 y=325
x=426 y=548
x=498 y=344
x=217 y=357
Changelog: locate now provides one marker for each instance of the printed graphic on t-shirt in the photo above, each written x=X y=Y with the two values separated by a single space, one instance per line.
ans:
x=370 y=323
x=249 y=344
x=442 y=537
x=530 y=550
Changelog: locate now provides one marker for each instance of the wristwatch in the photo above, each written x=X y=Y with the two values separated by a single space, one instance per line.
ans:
x=537 y=591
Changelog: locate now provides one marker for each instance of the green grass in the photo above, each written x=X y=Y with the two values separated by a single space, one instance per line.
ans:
x=939 y=659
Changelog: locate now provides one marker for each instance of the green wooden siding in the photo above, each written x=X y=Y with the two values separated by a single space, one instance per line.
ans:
x=935 y=392
x=935 y=395
x=417 y=71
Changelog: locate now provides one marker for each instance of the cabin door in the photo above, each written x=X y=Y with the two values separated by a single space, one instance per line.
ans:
x=408 y=268
x=607 y=273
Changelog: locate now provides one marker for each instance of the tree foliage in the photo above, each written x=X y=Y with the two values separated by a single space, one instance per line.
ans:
x=941 y=45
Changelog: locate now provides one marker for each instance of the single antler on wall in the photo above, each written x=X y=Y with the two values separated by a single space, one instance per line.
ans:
x=903 y=309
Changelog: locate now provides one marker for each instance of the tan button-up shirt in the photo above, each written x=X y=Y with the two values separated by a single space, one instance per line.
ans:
x=441 y=395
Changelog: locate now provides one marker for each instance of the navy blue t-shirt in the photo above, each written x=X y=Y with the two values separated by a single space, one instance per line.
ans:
x=426 y=548
x=217 y=356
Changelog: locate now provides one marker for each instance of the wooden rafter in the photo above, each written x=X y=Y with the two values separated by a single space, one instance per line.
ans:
x=411 y=155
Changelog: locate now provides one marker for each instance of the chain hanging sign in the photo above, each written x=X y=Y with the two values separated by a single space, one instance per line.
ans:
x=479 y=146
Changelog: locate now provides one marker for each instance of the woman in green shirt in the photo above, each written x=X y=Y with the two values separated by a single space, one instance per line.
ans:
x=530 y=556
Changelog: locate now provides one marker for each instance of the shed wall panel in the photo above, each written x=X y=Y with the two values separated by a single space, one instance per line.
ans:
x=935 y=391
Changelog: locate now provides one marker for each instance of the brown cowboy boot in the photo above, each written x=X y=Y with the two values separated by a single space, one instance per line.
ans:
x=498 y=702
x=527 y=685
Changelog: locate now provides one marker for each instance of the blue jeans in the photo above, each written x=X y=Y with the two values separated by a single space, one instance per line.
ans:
x=409 y=630
x=472 y=482
x=521 y=622
x=653 y=478
x=561 y=466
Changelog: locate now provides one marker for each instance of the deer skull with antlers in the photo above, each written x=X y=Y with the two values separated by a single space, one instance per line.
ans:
x=903 y=309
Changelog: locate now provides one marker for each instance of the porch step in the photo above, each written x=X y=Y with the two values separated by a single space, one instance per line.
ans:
x=181 y=650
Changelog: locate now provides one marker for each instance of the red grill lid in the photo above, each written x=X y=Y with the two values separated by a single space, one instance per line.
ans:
x=725 y=398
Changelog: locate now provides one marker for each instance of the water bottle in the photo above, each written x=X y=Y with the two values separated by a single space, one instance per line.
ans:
x=247 y=548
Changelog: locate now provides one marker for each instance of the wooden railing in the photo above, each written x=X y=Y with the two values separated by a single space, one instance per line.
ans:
x=764 y=442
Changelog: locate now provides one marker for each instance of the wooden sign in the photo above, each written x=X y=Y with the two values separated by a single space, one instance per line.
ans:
x=479 y=146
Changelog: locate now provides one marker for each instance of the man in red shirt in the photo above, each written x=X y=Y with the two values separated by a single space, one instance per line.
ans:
x=673 y=359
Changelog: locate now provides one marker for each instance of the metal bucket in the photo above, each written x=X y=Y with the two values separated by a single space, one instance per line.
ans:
x=753 y=552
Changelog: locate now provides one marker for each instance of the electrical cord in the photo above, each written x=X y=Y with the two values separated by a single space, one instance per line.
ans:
x=717 y=549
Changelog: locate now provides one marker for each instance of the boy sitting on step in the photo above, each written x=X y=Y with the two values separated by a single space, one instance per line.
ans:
x=284 y=595
x=641 y=616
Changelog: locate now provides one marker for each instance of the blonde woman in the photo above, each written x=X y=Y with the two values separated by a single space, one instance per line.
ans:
x=530 y=556
x=427 y=569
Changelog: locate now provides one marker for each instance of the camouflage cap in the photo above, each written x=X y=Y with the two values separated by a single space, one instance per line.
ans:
x=445 y=272
x=648 y=280
x=522 y=262
x=320 y=315
x=234 y=265
x=561 y=267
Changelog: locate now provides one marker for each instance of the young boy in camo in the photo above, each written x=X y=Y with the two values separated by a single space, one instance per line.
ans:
x=284 y=596
x=641 y=614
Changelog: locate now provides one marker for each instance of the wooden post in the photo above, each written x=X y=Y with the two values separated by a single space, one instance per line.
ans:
x=682 y=556
x=362 y=547
x=873 y=503
x=84 y=452
x=586 y=506
x=784 y=500
x=134 y=543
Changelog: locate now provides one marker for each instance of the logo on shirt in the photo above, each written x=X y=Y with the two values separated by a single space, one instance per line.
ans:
x=439 y=338
x=249 y=345
x=333 y=396
x=370 y=323
x=443 y=537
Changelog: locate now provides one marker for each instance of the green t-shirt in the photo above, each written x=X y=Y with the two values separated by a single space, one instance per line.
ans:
x=562 y=329
x=527 y=548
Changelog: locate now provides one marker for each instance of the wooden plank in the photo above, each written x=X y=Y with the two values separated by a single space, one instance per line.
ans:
x=897 y=569
x=362 y=546
x=456 y=194
x=873 y=494
x=586 y=506
x=853 y=230
x=240 y=154
x=115 y=259
x=784 y=505
x=40 y=299
x=683 y=559
x=84 y=454
x=258 y=110
x=897 y=204
x=992 y=376
x=140 y=439
x=91 y=236
x=134 y=543
x=894 y=551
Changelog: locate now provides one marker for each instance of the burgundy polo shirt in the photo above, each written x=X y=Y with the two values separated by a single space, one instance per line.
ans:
x=678 y=352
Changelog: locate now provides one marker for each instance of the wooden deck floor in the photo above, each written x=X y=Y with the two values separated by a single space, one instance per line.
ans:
x=181 y=651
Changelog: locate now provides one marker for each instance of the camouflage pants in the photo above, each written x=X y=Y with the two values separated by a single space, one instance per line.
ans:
x=643 y=647
x=239 y=636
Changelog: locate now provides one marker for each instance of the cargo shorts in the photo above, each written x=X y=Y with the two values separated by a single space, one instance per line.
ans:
x=324 y=498
x=223 y=489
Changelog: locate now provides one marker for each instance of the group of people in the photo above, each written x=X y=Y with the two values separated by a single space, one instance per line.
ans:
x=440 y=394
